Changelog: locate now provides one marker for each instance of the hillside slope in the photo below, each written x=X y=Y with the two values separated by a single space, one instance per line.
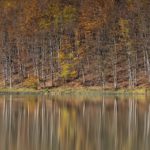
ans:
x=75 y=43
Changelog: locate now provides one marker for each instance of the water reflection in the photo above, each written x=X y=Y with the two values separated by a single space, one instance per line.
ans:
x=40 y=123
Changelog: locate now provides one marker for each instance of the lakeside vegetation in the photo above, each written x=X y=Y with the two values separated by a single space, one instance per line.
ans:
x=19 y=91
x=75 y=91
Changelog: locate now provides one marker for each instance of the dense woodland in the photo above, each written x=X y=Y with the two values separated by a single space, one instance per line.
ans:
x=46 y=43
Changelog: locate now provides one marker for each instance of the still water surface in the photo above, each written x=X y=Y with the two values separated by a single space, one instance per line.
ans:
x=41 y=123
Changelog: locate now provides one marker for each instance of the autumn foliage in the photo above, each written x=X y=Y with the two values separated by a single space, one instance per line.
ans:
x=90 y=41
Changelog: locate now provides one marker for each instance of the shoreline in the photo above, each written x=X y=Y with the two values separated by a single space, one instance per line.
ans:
x=66 y=90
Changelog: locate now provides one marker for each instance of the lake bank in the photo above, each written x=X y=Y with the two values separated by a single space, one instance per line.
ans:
x=19 y=91
x=78 y=96
x=65 y=90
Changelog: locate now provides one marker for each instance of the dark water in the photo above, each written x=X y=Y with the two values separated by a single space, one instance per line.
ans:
x=40 y=123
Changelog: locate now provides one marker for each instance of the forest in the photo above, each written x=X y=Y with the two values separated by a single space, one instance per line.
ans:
x=49 y=43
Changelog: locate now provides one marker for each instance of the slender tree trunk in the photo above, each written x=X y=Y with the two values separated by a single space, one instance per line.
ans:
x=5 y=72
x=51 y=63
x=115 y=65
x=148 y=64
x=145 y=62
x=115 y=76
x=83 y=75
x=130 y=72
x=10 y=73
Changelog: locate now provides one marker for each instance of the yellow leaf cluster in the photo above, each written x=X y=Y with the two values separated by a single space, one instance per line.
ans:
x=31 y=82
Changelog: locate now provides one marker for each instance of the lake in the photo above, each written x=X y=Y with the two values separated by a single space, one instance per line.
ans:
x=38 y=122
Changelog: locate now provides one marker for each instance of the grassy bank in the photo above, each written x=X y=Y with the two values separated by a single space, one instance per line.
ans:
x=97 y=94
x=81 y=94
x=78 y=91
x=19 y=91
x=96 y=90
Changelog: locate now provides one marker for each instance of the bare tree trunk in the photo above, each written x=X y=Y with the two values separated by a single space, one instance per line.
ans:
x=131 y=84
x=10 y=72
x=148 y=65
x=145 y=62
x=5 y=72
x=115 y=65
x=115 y=76
x=103 y=79
x=51 y=63
x=83 y=75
